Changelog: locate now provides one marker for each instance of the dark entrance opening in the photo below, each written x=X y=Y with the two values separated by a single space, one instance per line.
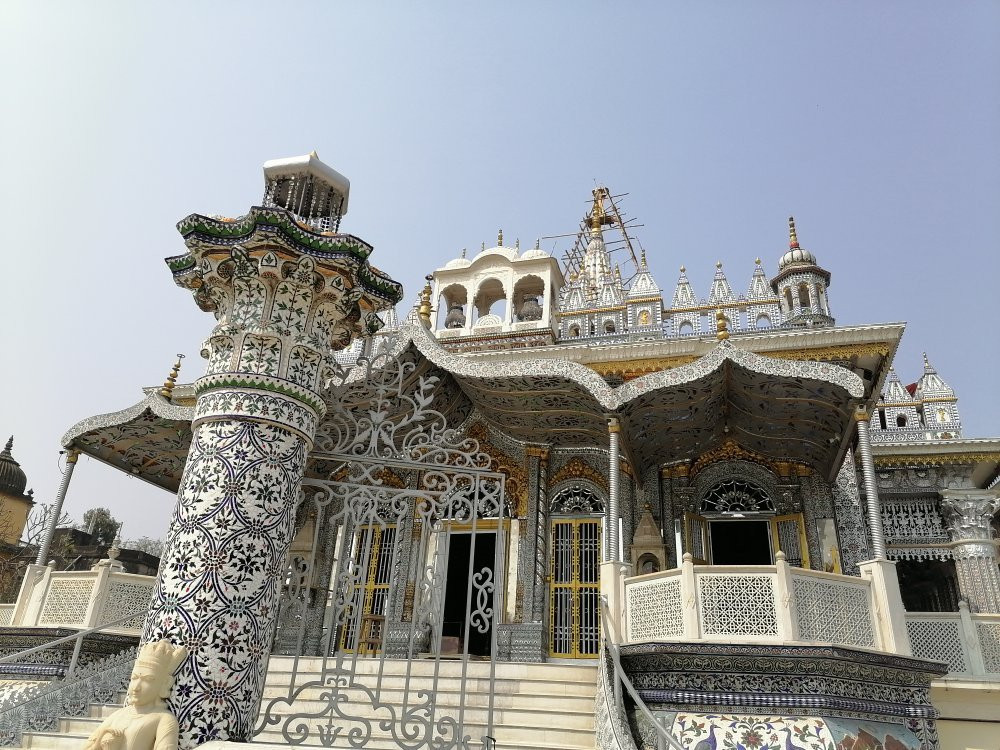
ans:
x=740 y=543
x=460 y=599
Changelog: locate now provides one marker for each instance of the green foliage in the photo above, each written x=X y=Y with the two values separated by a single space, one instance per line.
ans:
x=100 y=523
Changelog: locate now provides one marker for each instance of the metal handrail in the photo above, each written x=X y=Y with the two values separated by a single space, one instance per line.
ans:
x=620 y=678
x=78 y=637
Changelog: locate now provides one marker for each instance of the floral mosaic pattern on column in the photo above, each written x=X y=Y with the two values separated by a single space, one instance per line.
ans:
x=219 y=583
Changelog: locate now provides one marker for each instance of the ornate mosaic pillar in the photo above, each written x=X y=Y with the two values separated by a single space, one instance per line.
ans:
x=968 y=514
x=284 y=299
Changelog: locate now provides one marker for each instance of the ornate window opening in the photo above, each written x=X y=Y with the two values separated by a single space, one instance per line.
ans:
x=685 y=329
x=609 y=326
x=763 y=321
x=574 y=331
x=901 y=420
x=576 y=501
x=736 y=496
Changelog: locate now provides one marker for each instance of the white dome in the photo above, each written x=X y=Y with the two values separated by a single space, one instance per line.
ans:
x=458 y=263
x=797 y=255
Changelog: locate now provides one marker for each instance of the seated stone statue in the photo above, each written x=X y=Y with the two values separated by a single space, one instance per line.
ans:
x=144 y=723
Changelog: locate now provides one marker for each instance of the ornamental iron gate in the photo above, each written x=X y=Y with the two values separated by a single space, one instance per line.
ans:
x=575 y=589
x=401 y=594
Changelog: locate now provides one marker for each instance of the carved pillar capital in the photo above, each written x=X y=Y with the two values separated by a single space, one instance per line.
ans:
x=968 y=513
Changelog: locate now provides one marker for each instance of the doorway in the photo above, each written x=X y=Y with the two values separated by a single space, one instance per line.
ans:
x=470 y=570
x=740 y=542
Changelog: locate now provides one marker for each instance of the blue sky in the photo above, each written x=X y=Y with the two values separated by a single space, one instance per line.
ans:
x=875 y=124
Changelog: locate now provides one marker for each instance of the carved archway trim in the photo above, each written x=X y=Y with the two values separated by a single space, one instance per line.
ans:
x=576 y=468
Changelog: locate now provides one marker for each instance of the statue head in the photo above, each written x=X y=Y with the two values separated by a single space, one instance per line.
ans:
x=153 y=673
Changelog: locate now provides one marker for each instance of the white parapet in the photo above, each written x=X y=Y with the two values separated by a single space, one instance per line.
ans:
x=777 y=604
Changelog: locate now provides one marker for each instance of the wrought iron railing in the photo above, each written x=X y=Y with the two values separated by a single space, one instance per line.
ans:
x=614 y=705
x=38 y=707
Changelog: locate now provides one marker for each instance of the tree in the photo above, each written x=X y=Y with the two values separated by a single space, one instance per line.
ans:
x=14 y=559
x=146 y=544
x=101 y=524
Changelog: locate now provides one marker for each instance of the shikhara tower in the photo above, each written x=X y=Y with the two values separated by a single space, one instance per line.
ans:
x=287 y=291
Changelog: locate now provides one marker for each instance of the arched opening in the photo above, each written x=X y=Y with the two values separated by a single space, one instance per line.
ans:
x=763 y=321
x=685 y=328
x=529 y=293
x=574 y=331
x=647 y=564
x=788 y=299
x=452 y=307
x=900 y=420
x=609 y=326
x=491 y=299
x=804 y=295
x=575 y=557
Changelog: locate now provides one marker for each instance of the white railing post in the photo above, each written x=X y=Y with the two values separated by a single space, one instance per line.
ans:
x=970 y=634
x=788 y=625
x=31 y=596
x=890 y=615
x=689 y=598
x=613 y=589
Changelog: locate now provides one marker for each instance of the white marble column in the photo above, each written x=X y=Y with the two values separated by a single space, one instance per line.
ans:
x=614 y=483
x=871 y=486
x=968 y=514
x=280 y=313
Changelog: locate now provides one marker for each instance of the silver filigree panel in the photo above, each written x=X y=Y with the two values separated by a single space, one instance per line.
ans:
x=737 y=604
x=66 y=601
x=653 y=609
x=938 y=639
x=989 y=642
x=833 y=611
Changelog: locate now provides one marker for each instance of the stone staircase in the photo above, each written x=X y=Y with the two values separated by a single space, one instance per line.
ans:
x=536 y=706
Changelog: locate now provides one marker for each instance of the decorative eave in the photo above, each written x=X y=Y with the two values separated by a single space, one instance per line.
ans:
x=792 y=268
x=149 y=440
x=791 y=411
x=277 y=227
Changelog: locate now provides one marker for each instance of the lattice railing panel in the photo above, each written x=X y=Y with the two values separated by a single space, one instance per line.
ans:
x=653 y=609
x=66 y=602
x=833 y=611
x=737 y=604
x=938 y=639
x=125 y=597
x=989 y=642
x=6 y=614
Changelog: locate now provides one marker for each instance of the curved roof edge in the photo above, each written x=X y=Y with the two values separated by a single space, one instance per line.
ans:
x=613 y=398
x=154 y=403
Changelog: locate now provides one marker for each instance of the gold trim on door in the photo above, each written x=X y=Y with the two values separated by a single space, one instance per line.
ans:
x=796 y=547
x=574 y=588
x=372 y=591
x=696 y=540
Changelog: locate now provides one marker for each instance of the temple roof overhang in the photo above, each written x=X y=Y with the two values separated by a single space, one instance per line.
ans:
x=785 y=410
x=979 y=456
x=149 y=440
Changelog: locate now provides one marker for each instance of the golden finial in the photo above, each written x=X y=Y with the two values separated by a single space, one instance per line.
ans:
x=793 y=240
x=597 y=215
x=756 y=261
x=424 y=311
x=683 y=269
x=642 y=256
x=499 y=238
x=722 y=327
x=168 y=385
x=718 y=264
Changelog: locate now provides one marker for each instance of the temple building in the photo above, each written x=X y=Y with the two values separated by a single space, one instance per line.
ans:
x=722 y=513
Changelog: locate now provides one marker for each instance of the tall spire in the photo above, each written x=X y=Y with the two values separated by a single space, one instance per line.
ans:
x=683 y=293
x=721 y=291
x=793 y=240
x=759 y=288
